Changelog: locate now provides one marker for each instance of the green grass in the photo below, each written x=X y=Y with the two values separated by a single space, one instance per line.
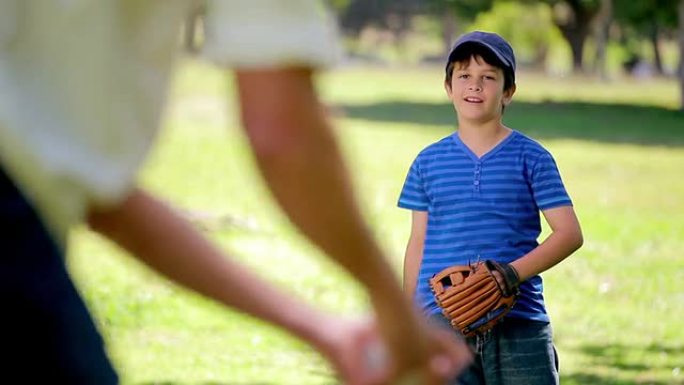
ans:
x=616 y=305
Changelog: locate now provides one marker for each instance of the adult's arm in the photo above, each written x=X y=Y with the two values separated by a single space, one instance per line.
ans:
x=298 y=155
x=153 y=233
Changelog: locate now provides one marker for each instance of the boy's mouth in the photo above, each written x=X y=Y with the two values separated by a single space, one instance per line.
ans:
x=472 y=99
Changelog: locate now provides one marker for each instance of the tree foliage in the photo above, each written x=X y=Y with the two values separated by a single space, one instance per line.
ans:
x=394 y=15
x=643 y=14
x=358 y=14
x=574 y=18
x=575 y=21
x=463 y=9
x=528 y=27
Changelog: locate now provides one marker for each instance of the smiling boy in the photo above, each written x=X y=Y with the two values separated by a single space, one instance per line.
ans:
x=476 y=195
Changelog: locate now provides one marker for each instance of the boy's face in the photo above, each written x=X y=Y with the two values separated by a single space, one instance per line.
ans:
x=476 y=90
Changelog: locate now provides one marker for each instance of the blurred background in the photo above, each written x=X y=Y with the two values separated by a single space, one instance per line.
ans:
x=604 y=38
x=600 y=85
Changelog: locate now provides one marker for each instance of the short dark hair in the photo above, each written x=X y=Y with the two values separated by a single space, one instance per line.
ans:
x=472 y=49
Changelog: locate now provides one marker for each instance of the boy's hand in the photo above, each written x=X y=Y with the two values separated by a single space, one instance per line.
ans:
x=506 y=276
x=475 y=298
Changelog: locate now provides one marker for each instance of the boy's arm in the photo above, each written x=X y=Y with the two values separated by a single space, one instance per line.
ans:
x=414 y=251
x=299 y=158
x=565 y=238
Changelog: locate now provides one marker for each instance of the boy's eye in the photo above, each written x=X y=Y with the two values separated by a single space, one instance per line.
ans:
x=463 y=76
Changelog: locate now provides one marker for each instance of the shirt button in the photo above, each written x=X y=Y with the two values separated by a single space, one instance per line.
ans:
x=477 y=183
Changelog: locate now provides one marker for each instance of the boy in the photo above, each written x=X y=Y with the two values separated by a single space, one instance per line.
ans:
x=476 y=195
x=82 y=86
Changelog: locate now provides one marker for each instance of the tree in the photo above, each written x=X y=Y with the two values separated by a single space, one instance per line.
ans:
x=573 y=18
x=359 y=14
x=681 y=53
x=527 y=26
x=648 y=19
x=393 y=15
x=604 y=20
x=191 y=27
x=451 y=12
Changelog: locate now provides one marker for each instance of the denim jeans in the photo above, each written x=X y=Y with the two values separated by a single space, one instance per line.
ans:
x=46 y=334
x=515 y=352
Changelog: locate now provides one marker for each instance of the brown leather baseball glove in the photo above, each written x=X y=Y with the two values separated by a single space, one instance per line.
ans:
x=472 y=298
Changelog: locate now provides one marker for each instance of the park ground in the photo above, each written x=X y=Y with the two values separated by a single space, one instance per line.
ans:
x=616 y=305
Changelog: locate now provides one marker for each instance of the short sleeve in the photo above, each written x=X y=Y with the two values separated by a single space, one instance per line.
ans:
x=413 y=195
x=547 y=185
x=270 y=33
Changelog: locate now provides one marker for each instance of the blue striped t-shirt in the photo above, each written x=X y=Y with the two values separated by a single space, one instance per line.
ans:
x=483 y=208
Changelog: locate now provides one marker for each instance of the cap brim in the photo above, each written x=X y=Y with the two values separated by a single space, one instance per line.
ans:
x=483 y=44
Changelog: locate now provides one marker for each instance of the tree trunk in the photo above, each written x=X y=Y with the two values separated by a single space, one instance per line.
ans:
x=681 y=54
x=190 y=27
x=657 y=58
x=540 y=54
x=576 y=38
x=399 y=23
x=605 y=18
x=575 y=25
x=448 y=30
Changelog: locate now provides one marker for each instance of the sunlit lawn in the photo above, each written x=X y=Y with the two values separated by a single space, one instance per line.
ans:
x=616 y=305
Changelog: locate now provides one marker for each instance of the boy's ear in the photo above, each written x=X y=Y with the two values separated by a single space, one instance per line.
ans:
x=447 y=87
x=508 y=95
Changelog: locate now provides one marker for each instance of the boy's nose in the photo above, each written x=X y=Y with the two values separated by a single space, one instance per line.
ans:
x=475 y=86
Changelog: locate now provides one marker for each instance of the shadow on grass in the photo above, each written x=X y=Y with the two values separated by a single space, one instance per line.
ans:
x=635 y=363
x=613 y=123
x=206 y=383
x=630 y=361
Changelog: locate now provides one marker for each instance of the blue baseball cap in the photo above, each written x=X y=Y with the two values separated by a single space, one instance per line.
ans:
x=493 y=42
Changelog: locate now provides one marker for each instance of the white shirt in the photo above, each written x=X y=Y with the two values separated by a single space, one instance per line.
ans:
x=82 y=84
